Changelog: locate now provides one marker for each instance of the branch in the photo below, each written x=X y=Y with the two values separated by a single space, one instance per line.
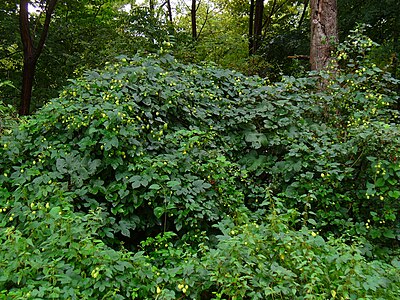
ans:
x=303 y=13
x=37 y=21
x=301 y=57
x=198 y=5
x=10 y=54
x=49 y=11
x=271 y=13
x=98 y=10
x=204 y=23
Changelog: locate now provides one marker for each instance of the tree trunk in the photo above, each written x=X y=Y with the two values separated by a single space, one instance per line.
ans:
x=324 y=32
x=29 y=59
x=303 y=14
x=251 y=26
x=31 y=53
x=258 y=24
x=151 y=7
x=28 y=75
x=169 y=8
x=193 y=18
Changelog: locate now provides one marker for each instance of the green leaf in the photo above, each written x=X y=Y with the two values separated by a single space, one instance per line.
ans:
x=380 y=182
x=60 y=165
x=389 y=234
x=173 y=183
x=158 y=212
x=93 y=165
x=55 y=212
x=394 y=194
x=137 y=181
x=155 y=186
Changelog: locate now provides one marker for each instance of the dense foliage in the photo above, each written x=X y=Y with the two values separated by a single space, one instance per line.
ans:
x=7 y=113
x=155 y=179
x=85 y=34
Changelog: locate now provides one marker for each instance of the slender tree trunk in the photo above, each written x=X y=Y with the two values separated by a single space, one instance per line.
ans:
x=303 y=14
x=324 y=32
x=258 y=24
x=169 y=8
x=268 y=20
x=151 y=6
x=251 y=27
x=193 y=18
x=31 y=53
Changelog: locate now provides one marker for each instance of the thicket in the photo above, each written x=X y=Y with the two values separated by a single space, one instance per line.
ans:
x=153 y=179
x=7 y=113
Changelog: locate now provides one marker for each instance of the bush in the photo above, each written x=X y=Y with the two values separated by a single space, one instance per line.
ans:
x=271 y=260
x=52 y=253
x=137 y=140
x=7 y=113
x=57 y=253
x=187 y=167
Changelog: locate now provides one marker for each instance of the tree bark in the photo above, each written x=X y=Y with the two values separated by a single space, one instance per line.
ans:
x=258 y=24
x=324 y=32
x=169 y=8
x=31 y=53
x=251 y=27
x=28 y=75
x=193 y=19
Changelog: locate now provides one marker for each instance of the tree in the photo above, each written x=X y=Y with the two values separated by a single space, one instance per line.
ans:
x=31 y=52
x=251 y=25
x=258 y=24
x=193 y=19
x=169 y=9
x=324 y=32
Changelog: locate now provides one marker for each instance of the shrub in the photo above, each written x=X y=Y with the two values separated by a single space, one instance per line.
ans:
x=270 y=260
x=333 y=151
x=173 y=162
x=137 y=140
x=7 y=113
x=144 y=140
x=49 y=252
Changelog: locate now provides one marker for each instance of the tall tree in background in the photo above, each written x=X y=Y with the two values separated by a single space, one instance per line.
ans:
x=193 y=12
x=169 y=10
x=31 y=52
x=258 y=23
x=251 y=27
x=324 y=32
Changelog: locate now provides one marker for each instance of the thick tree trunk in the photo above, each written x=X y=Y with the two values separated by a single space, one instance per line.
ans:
x=193 y=18
x=28 y=75
x=258 y=24
x=251 y=27
x=29 y=59
x=324 y=32
x=31 y=53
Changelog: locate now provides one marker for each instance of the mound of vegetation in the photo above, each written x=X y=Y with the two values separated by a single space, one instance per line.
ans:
x=7 y=113
x=153 y=179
